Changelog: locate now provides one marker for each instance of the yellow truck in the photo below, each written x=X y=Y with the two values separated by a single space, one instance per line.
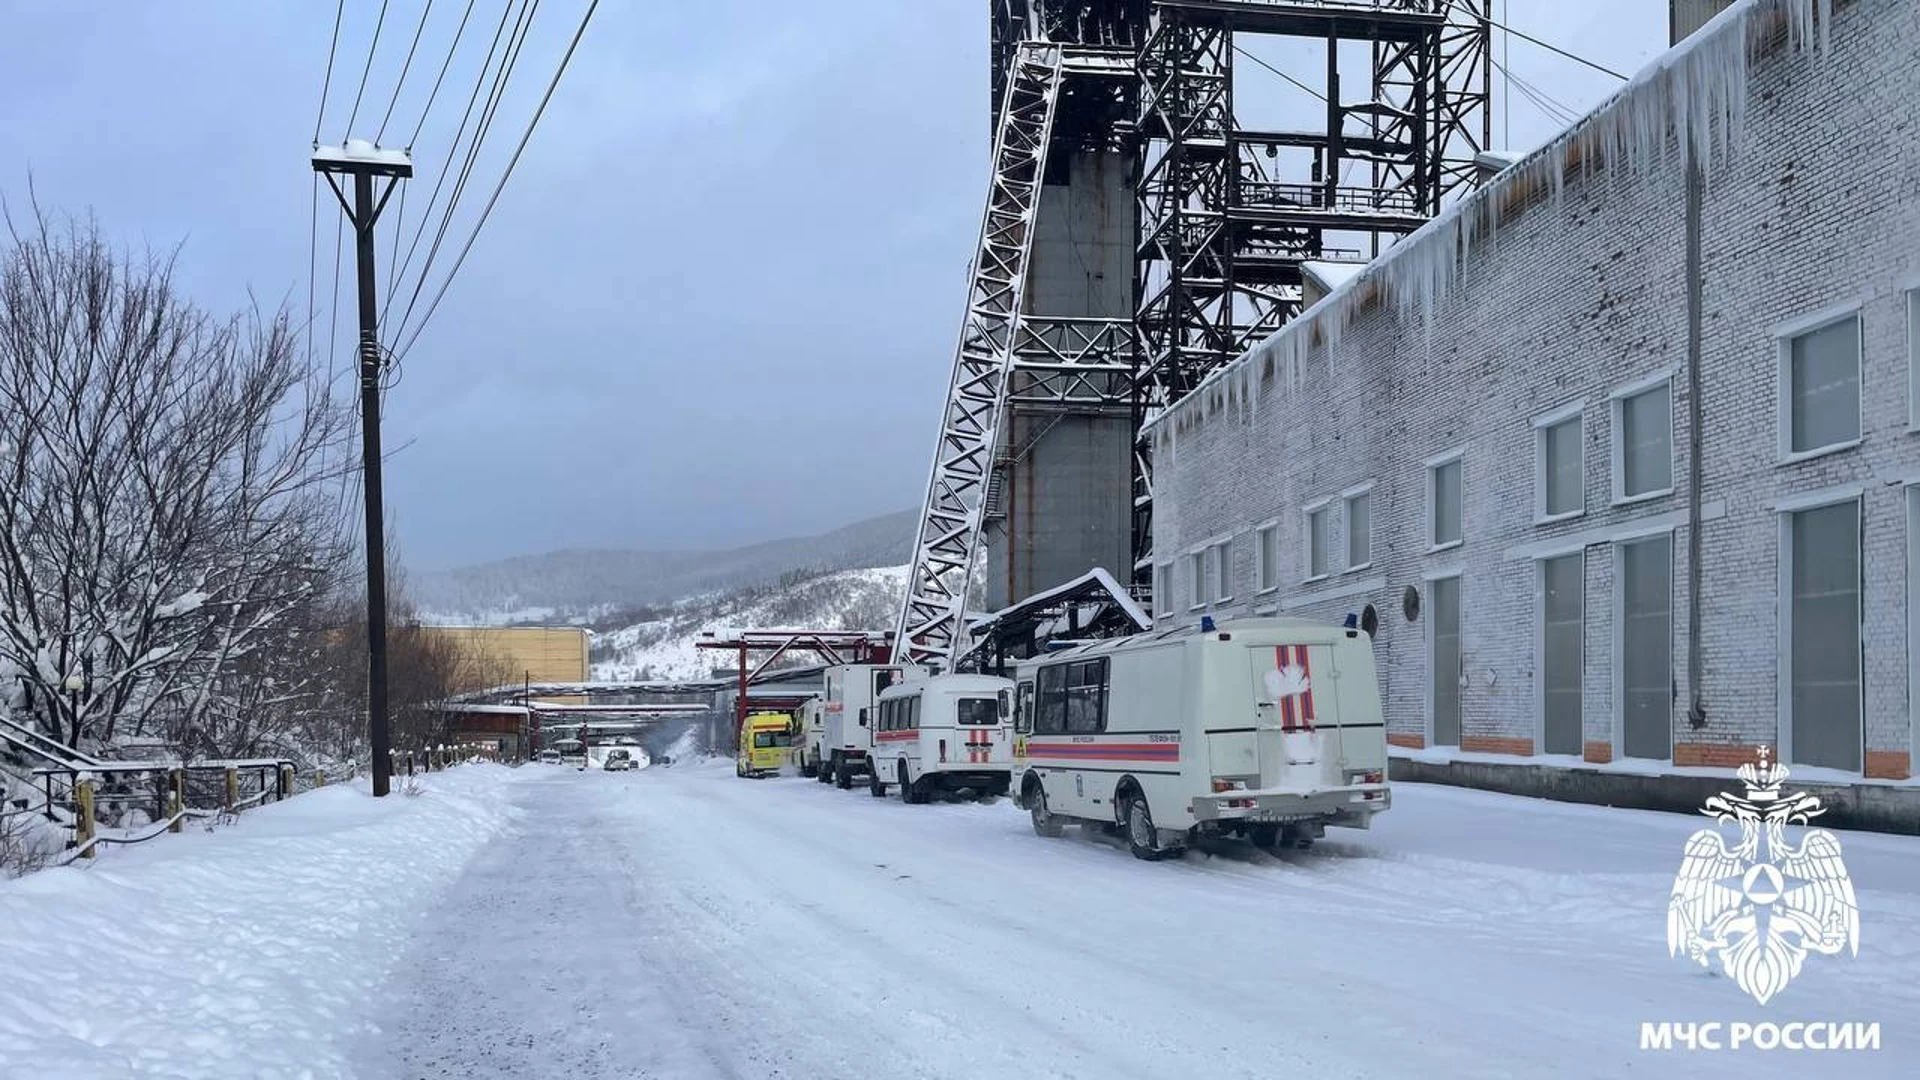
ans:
x=765 y=745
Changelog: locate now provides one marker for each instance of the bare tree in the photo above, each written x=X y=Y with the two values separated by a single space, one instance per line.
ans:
x=166 y=517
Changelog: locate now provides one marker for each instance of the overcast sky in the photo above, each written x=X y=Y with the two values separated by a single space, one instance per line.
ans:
x=717 y=303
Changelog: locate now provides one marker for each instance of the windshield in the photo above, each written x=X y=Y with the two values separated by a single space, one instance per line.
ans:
x=979 y=711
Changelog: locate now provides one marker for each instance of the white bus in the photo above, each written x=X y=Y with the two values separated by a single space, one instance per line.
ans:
x=1265 y=728
x=840 y=753
x=945 y=733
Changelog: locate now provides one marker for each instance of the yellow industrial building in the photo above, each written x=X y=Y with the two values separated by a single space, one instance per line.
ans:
x=540 y=654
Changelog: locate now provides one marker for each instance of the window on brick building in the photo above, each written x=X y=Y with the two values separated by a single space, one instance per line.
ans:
x=1562 y=490
x=1820 y=388
x=1197 y=579
x=1319 y=541
x=1359 y=528
x=1267 y=540
x=1643 y=442
x=1645 y=644
x=1446 y=501
x=1220 y=556
x=1913 y=358
x=1562 y=588
x=1822 y=609
x=1163 y=590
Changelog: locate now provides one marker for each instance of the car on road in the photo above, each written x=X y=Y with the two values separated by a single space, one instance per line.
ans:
x=618 y=761
x=549 y=757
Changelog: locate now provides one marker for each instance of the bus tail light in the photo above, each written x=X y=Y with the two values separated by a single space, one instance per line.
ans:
x=1220 y=785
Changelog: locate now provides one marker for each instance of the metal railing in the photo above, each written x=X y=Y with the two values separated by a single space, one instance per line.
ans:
x=1268 y=194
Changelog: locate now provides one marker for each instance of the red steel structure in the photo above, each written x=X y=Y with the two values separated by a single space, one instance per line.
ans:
x=832 y=646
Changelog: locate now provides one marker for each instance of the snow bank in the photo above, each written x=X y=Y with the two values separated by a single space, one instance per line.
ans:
x=245 y=952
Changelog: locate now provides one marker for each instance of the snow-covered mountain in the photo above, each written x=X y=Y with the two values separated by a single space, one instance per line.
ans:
x=662 y=645
x=588 y=587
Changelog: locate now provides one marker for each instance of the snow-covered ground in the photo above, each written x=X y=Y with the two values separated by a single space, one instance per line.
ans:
x=249 y=951
x=681 y=922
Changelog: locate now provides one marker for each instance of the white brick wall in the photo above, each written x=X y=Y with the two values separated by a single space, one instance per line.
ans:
x=1575 y=297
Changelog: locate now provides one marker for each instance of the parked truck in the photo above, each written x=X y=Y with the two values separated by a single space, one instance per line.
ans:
x=846 y=735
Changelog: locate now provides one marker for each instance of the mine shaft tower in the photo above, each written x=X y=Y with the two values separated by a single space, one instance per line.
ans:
x=1137 y=237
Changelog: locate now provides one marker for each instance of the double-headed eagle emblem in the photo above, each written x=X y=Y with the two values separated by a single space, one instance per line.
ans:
x=1763 y=903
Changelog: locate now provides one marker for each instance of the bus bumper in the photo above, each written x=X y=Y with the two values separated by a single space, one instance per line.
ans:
x=1352 y=805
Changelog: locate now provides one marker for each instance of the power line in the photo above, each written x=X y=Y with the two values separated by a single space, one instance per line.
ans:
x=393 y=265
x=425 y=10
x=1554 y=109
x=371 y=50
x=516 y=40
x=1282 y=74
x=501 y=186
x=451 y=50
x=327 y=83
x=313 y=263
x=432 y=200
x=1556 y=49
x=333 y=331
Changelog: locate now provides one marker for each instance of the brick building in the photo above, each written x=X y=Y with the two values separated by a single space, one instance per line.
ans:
x=1508 y=436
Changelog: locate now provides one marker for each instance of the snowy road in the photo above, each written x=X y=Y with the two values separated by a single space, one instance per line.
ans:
x=684 y=923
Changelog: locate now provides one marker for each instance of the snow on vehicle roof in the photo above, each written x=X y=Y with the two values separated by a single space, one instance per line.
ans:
x=1694 y=93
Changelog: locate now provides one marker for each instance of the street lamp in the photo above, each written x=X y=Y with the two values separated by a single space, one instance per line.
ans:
x=74 y=685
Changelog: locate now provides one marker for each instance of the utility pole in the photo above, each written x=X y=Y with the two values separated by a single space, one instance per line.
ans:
x=363 y=161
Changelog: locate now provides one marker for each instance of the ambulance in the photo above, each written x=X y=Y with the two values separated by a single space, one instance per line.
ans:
x=845 y=737
x=1269 y=729
x=765 y=745
x=943 y=733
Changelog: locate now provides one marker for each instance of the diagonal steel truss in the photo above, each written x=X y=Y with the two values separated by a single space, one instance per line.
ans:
x=931 y=619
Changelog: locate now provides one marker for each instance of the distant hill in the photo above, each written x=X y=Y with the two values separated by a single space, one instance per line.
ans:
x=598 y=586
x=659 y=643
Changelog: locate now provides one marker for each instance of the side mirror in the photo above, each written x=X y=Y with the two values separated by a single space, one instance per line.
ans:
x=1006 y=704
x=863 y=718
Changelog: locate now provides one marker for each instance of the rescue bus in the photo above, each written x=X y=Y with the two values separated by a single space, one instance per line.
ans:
x=1269 y=729
x=943 y=733
x=845 y=738
x=765 y=745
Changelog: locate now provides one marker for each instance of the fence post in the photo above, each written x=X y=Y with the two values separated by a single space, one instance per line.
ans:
x=233 y=787
x=285 y=782
x=83 y=822
x=176 y=796
x=319 y=778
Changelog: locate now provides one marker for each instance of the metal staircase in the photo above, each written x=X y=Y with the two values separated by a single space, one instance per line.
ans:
x=932 y=614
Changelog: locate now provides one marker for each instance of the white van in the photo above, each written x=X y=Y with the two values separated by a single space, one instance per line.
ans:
x=945 y=733
x=810 y=751
x=845 y=738
x=1265 y=728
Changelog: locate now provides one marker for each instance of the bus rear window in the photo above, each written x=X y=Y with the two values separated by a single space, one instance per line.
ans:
x=981 y=711
x=766 y=739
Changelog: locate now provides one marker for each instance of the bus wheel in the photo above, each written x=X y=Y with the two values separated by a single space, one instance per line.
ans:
x=1143 y=839
x=1264 y=837
x=876 y=786
x=843 y=777
x=1044 y=823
